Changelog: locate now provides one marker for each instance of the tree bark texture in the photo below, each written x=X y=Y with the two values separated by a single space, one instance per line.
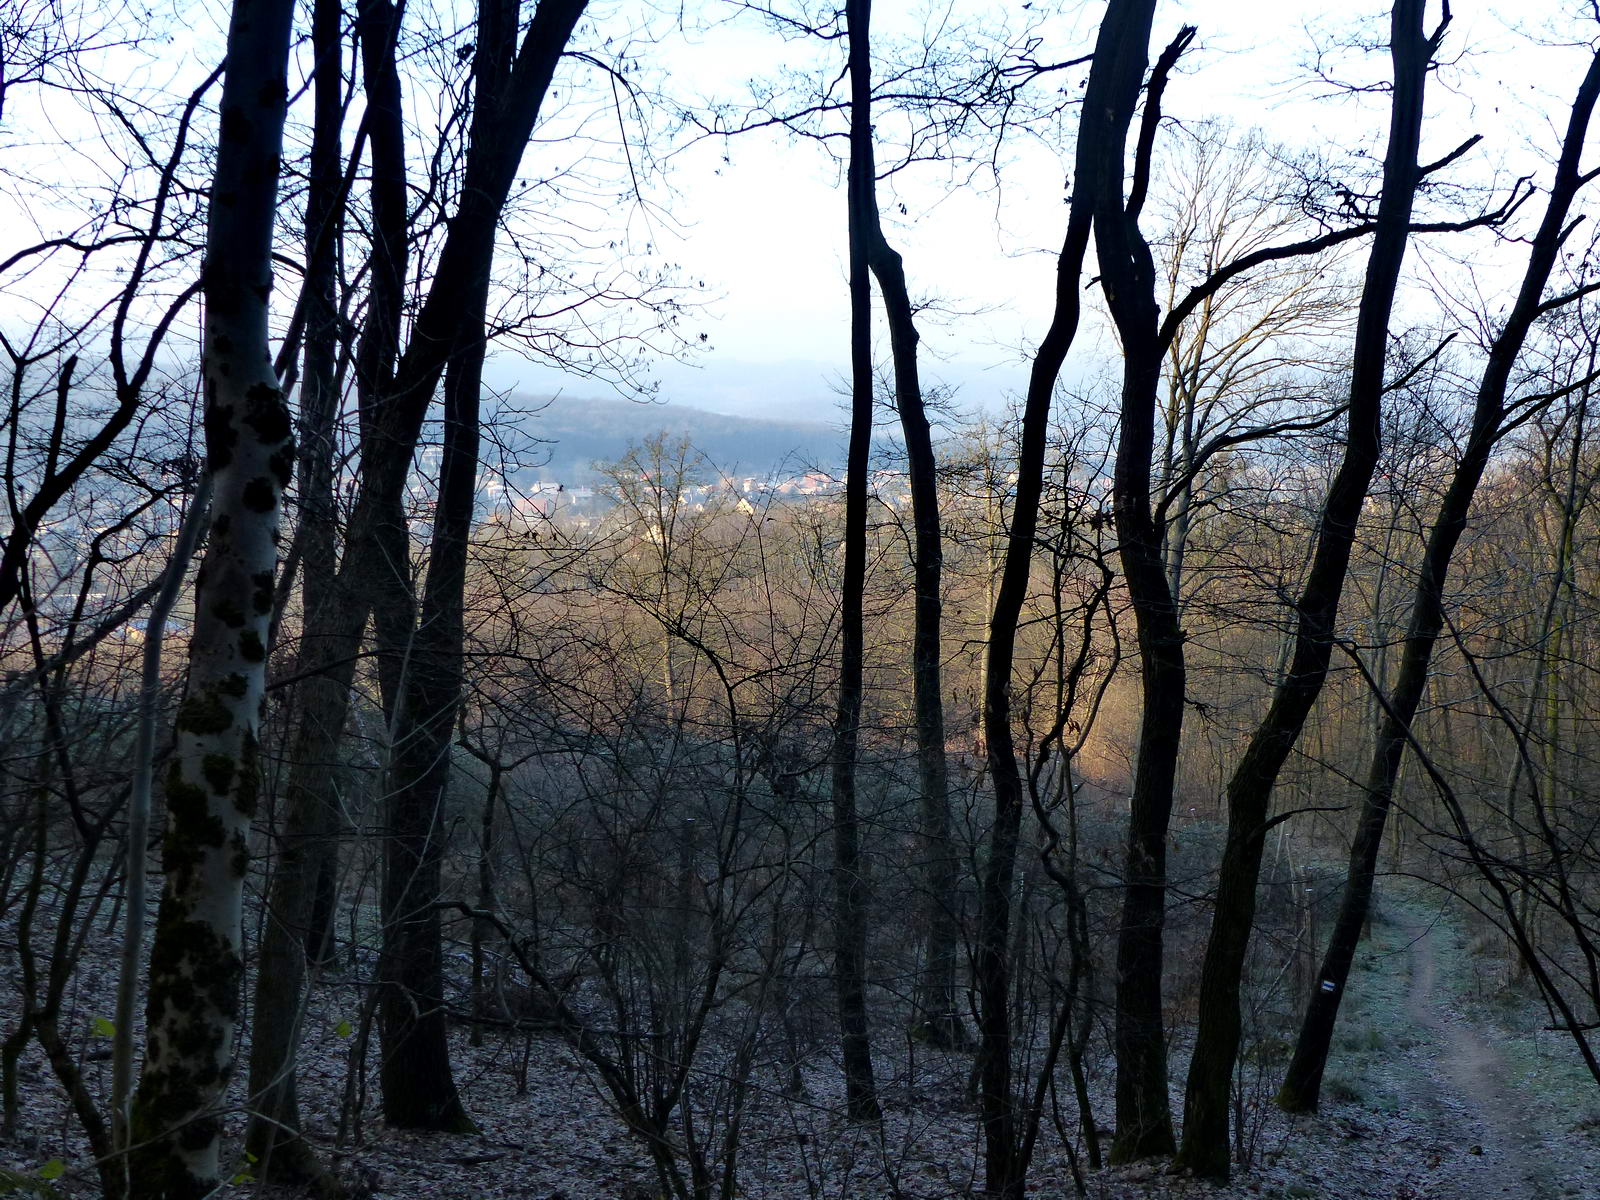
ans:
x=136 y=890
x=195 y=965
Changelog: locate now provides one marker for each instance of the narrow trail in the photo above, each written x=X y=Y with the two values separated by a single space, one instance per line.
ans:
x=1475 y=1092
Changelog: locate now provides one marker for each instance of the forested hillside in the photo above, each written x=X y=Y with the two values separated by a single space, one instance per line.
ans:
x=1175 y=777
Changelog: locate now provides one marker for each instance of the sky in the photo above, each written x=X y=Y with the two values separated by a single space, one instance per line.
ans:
x=766 y=229
x=757 y=222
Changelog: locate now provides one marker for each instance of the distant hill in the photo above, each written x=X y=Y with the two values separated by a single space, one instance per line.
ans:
x=577 y=433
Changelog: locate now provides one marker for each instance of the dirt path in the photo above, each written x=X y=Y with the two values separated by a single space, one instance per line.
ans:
x=1474 y=1088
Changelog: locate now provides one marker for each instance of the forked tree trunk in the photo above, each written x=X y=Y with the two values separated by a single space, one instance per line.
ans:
x=195 y=966
x=511 y=83
x=396 y=390
x=1144 y=1119
x=849 y=881
x=1303 y=1083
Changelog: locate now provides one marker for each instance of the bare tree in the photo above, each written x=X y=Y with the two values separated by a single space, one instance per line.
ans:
x=1206 y=1148
x=850 y=884
x=307 y=850
x=1302 y=1083
x=1004 y=1162
x=512 y=81
x=196 y=968
x=396 y=383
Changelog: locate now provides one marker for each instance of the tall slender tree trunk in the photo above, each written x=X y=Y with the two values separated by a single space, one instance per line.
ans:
x=512 y=80
x=1144 y=1119
x=849 y=880
x=1005 y=1162
x=1303 y=1082
x=936 y=1015
x=307 y=850
x=196 y=970
x=1206 y=1148
x=418 y=1089
x=391 y=405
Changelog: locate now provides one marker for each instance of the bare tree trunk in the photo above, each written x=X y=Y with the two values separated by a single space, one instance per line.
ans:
x=512 y=81
x=195 y=965
x=936 y=1015
x=1004 y=1159
x=391 y=405
x=418 y=1089
x=1144 y=1119
x=1206 y=1148
x=307 y=851
x=1303 y=1082
x=849 y=882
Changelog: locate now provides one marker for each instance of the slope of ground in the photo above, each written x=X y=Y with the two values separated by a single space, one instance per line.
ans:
x=1424 y=1099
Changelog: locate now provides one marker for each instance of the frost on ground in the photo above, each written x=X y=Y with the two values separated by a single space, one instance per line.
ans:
x=1424 y=1098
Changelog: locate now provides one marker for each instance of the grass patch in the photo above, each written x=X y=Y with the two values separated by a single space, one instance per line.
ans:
x=1337 y=1087
x=1365 y=1038
x=1375 y=1024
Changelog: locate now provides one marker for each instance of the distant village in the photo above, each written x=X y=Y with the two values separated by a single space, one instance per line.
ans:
x=502 y=496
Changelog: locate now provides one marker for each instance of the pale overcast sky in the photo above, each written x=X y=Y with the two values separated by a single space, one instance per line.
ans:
x=767 y=230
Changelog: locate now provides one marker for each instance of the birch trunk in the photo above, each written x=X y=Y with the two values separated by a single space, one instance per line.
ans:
x=195 y=964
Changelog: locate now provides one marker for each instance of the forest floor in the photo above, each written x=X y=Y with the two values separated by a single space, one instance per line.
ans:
x=1438 y=1088
x=1472 y=1085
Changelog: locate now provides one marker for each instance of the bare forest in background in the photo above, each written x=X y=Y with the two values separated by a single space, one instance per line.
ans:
x=1181 y=775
